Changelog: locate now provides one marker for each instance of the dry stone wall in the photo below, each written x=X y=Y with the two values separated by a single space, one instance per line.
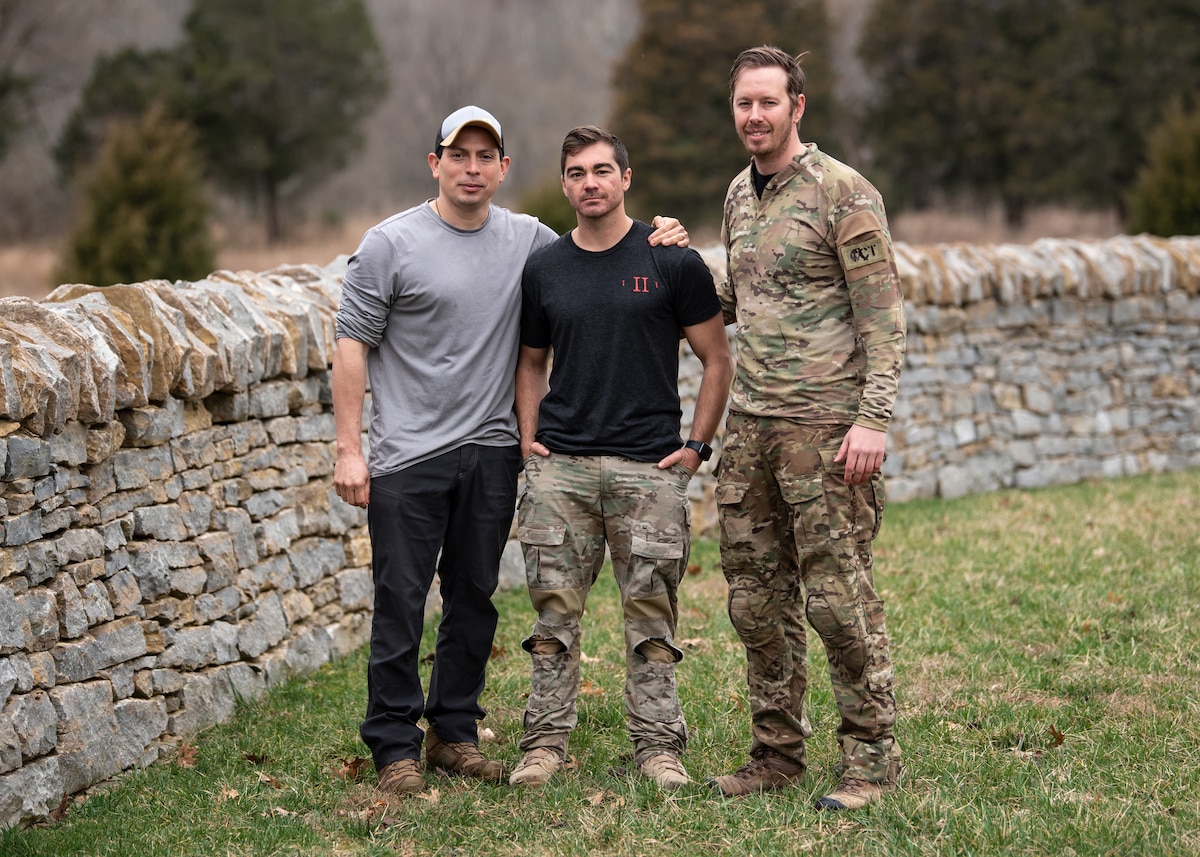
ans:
x=1047 y=364
x=170 y=540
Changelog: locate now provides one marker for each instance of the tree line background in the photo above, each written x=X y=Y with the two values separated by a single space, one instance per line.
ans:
x=128 y=123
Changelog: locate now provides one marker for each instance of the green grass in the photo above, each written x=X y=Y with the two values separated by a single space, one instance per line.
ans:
x=1046 y=646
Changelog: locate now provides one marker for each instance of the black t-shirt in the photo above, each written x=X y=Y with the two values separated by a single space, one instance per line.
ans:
x=613 y=321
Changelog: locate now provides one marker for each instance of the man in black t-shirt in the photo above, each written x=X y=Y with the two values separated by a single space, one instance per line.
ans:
x=604 y=461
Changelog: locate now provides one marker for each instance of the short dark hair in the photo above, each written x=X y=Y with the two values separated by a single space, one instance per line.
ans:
x=580 y=138
x=767 y=56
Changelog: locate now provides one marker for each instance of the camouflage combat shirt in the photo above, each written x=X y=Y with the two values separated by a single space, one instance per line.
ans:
x=815 y=295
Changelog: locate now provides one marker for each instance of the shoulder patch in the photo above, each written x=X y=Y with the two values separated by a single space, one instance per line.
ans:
x=866 y=253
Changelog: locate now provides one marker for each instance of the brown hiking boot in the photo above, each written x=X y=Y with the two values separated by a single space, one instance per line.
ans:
x=461 y=757
x=402 y=777
x=664 y=768
x=766 y=770
x=852 y=794
x=536 y=768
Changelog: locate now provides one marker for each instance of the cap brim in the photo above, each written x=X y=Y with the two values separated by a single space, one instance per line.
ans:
x=449 y=139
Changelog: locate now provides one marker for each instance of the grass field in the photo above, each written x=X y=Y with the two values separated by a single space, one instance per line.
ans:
x=1046 y=649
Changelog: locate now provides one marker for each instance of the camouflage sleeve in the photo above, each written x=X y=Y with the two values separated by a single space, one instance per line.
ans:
x=868 y=260
x=724 y=287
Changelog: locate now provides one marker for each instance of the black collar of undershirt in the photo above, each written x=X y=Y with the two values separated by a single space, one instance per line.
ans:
x=760 y=181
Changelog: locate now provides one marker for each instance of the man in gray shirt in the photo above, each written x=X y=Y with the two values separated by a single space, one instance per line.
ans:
x=430 y=312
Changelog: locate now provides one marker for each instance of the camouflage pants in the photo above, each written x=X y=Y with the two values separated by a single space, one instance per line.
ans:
x=796 y=542
x=570 y=506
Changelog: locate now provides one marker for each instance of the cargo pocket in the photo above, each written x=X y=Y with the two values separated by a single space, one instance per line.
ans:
x=735 y=523
x=545 y=556
x=658 y=565
x=810 y=509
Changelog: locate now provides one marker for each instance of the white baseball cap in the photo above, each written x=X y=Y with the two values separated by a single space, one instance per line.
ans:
x=467 y=117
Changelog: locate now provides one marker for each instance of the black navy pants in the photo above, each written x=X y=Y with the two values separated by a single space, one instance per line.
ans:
x=460 y=503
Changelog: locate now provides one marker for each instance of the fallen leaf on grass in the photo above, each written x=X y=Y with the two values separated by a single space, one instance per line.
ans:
x=269 y=780
x=185 y=756
x=280 y=811
x=431 y=796
x=366 y=814
x=254 y=758
x=588 y=688
x=585 y=658
x=597 y=798
x=498 y=652
x=1056 y=736
x=571 y=764
x=353 y=769
x=487 y=736
x=227 y=793
x=694 y=568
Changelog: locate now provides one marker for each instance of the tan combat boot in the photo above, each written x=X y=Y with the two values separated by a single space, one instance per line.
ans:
x=852 y=793
x=402 y=777
x=767 y=770
x=536 y=768
x=460 y=757
x=664 y=768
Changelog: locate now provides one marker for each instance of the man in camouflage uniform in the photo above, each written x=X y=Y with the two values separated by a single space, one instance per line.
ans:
x=815 y=295
x=603 y=456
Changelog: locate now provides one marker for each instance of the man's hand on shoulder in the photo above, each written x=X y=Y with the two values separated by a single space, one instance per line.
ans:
x=668 y=232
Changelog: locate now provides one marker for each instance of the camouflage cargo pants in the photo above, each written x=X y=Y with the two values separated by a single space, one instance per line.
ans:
x=571 y=504
x=796 y=542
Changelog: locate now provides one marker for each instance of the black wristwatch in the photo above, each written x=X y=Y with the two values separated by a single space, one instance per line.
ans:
x=702 y=449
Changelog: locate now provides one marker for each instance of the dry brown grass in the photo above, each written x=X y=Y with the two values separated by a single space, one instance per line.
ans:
x=942 y=226
x=29 y=269
x=245 y=250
